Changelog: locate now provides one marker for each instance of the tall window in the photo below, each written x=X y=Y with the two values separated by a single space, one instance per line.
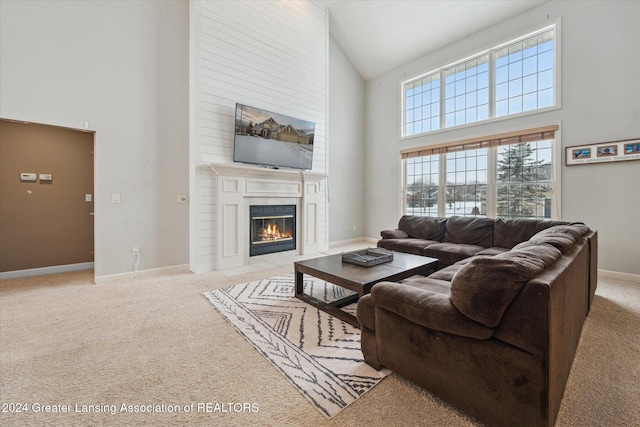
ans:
x=513 y=78
x=524 y=180
x=423 y=185
x=466 y=185
x=500 y=176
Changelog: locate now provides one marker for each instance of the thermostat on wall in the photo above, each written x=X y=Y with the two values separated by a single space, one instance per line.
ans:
x=25 y=176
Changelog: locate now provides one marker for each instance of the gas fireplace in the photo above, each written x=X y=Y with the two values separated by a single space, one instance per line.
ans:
x=273 y=228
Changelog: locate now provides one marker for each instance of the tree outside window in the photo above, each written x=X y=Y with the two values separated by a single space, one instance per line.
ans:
x=523 y=182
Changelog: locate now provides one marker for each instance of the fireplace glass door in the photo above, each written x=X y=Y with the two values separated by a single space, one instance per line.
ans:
x=273 y=229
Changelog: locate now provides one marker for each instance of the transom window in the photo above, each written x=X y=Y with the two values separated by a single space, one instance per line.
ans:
x=524 y=75
x=466 y=92
x=514 y=78
x=423 y=104
x=508 y=177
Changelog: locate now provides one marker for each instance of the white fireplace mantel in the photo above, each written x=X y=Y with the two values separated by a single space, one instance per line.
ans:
x=240 y=186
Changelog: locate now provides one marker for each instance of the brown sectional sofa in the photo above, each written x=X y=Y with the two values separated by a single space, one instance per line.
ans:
x=495 y=329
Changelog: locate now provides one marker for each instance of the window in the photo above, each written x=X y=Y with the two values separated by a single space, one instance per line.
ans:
x=524 y=75
x=466 y=93
x=508 y=176
x=516 y=77
x=524 y=180
x=422 y=100
x=423 y=178
x=466 y=184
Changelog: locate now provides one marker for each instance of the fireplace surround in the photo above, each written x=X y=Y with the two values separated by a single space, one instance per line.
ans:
x=236 y=188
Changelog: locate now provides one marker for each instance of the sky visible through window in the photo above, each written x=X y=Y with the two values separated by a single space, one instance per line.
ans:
x=524 y=75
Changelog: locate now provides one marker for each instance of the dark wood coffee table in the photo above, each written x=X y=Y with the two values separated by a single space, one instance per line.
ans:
x=356 y=278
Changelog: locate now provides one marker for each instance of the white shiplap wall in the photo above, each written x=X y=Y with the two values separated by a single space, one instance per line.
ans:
x=266 y=54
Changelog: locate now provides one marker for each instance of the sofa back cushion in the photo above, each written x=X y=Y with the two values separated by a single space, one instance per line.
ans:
x=470 y=231
x=509 y=232
x=561 y=237
x=423 y=227
x=483 y=288
x=575 y=230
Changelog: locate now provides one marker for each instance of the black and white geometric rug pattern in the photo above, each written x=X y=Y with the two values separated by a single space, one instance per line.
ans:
x=317 y=352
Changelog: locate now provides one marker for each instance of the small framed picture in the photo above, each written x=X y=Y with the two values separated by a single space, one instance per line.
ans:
x=609 y=150
x=632 y=148
x=581 y=153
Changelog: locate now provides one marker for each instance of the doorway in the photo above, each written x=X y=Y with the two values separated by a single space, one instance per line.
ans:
x=46 y=199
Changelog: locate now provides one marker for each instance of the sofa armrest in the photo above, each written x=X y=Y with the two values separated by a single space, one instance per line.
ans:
x=393 y=234
x=365 y=312
x=426 y=308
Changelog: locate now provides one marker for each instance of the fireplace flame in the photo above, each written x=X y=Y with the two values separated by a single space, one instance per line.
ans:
x=271 y=232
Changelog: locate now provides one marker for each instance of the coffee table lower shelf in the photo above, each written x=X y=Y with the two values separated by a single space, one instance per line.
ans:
x=333 y=308
x=356 y=278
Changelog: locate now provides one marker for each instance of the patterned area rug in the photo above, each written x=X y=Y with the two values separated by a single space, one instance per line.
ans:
x=318 y=353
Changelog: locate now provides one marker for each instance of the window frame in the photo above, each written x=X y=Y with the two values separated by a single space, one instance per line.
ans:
x=555 y=26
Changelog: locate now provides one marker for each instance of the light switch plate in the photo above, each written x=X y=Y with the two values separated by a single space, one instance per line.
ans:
x=46 y=177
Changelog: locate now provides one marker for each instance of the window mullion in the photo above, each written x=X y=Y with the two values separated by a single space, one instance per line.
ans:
x=442 y=99
x=442 y=184
x=492 y=189
x=492 y=84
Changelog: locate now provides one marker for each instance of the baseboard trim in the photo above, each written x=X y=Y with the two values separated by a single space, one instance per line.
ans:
x=619 y=276
x=153 y=272
x=352 y=241
x=46 y=270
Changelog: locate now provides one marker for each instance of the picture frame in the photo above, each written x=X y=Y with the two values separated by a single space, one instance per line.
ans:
x=603 y=152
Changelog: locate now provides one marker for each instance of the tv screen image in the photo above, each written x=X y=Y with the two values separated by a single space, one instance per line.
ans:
x=270 y=139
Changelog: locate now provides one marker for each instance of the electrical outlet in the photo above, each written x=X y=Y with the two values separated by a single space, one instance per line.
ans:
x=135 y=251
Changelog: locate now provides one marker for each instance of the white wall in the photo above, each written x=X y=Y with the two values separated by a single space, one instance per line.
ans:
x=346 y=152
x=270 y=55
x=123 y=68
x=600 y=102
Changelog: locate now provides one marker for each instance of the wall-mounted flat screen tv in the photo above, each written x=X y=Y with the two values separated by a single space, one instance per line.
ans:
x=272 y=140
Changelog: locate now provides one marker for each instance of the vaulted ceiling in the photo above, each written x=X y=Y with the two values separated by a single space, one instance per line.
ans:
x=380 y=35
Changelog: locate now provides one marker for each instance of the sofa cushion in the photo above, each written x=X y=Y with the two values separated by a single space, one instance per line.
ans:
x=409 y=245
x=494 y=250
x=393 y=234
x=450 y=253
x=484 y=287
x=509 y=232
x=425 y=307
x=560 y=236
x=575 y=230
x=423 y=227
x=558 y=240
x=446 y=273
x=470 y=231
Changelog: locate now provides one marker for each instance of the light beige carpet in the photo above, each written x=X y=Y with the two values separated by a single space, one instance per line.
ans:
x=151 y=342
